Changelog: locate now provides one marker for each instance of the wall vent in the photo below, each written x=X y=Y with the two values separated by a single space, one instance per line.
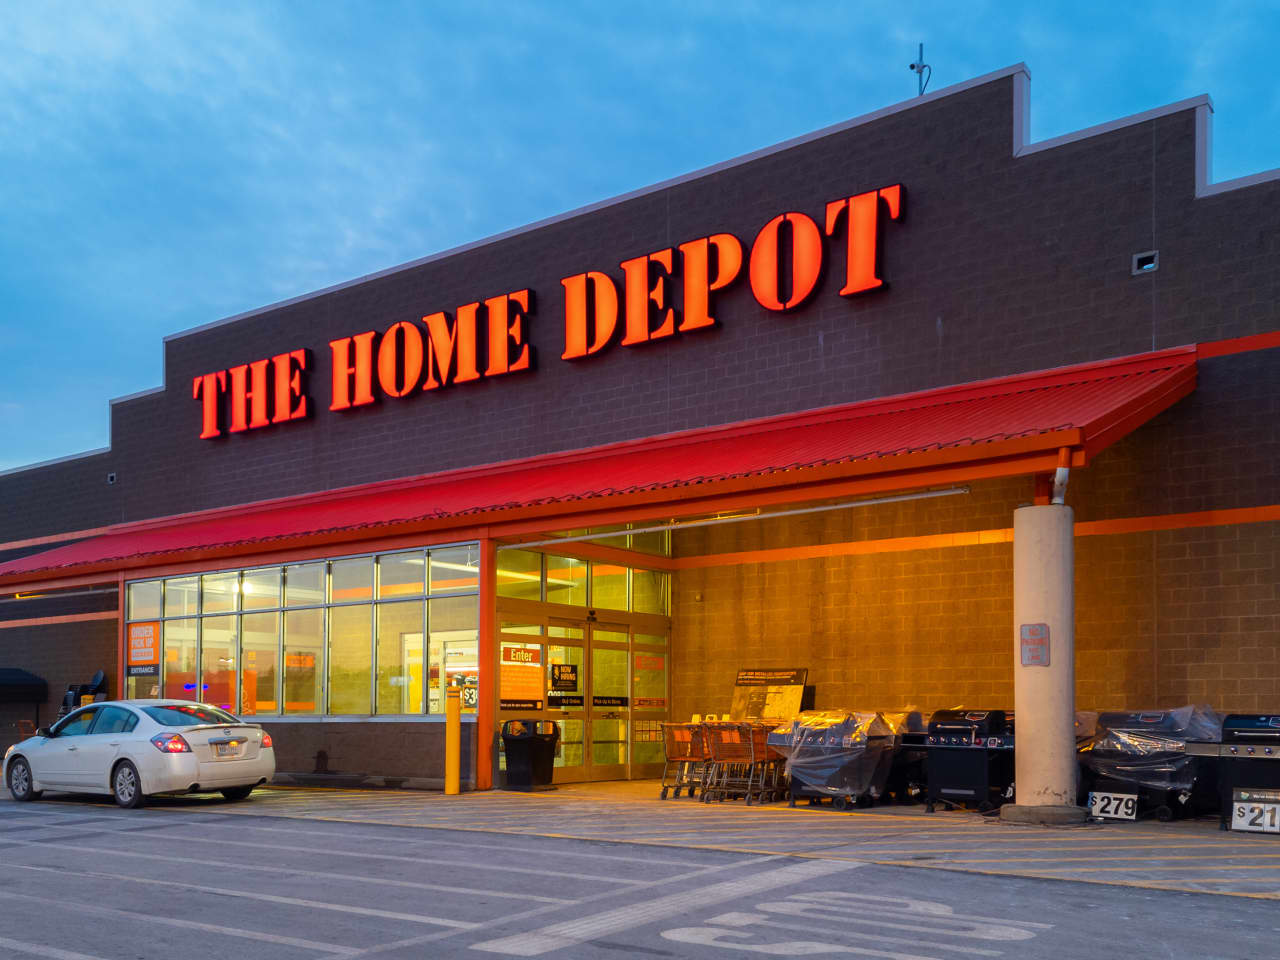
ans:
x=1147 y=262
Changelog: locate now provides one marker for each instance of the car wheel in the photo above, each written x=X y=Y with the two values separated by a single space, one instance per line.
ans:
x=126 y=785
x=237 y=793
x=20 y=781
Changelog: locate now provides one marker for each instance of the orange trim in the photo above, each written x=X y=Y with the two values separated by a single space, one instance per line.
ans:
x=487 y=665
x=1179 y=521
x=54 y=538
x=1089 y=528
x=1222 y=348
x=121 y=610
x=67 y=618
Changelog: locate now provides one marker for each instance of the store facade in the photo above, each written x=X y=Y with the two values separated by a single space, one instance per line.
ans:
x=778 y=413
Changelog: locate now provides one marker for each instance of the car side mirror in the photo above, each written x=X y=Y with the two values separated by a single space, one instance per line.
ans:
x=44 y=732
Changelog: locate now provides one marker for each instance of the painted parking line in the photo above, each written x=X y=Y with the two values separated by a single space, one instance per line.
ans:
x=259 y=897
x=573 y=932
x=841 y=919
x=470 y=845
x=320 y=874
x=40 y=950
x=159 y=919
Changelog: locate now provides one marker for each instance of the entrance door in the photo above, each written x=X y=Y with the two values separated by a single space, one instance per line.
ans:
x=608 y=701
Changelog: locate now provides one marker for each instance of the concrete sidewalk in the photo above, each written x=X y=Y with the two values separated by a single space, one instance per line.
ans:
x=1184 y=855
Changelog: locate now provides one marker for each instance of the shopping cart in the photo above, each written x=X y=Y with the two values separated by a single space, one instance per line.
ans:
x=686 y=758
x=742 y=764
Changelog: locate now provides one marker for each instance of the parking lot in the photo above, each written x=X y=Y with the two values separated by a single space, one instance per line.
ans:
x=592 y=871
x=1192 y=855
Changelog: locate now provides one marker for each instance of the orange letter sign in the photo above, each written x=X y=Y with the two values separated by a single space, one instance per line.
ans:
x=352 y=380
x=863 y=229
x=803 y=262
x=639 y=296
x=698 y=285
x=590 y=307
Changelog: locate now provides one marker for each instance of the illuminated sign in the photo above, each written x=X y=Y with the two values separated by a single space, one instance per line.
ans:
x=664 y=294
x=143 y=656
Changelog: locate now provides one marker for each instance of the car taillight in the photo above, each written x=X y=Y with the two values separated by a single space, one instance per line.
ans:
x=266 y=740
x=171 y=743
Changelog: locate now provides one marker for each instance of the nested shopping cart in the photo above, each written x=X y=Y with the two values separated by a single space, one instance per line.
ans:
x=742 y=764
x=686 y=758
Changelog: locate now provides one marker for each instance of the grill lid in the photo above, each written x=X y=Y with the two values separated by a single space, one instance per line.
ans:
x=1251 y=728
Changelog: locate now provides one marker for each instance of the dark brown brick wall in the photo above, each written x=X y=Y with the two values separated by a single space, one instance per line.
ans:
x=370 y=754
x=999 y=265
x=62 y=654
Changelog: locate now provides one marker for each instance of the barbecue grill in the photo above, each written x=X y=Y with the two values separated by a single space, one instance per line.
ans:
x=970 y=758
x=836 y=754
x=1248 y=759
x=1137 y=764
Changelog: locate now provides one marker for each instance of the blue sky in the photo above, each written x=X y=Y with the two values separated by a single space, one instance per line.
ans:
x=166 y=164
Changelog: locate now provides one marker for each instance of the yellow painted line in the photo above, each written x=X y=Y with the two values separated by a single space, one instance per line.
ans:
x=1136 y=884
x=1206 y=856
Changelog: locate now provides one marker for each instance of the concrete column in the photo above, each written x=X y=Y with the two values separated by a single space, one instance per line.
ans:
x=1044 y=692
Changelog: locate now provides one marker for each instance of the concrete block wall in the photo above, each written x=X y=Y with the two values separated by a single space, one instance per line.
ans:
x=62 y=654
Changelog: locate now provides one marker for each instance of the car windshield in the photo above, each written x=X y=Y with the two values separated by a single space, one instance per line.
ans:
x=187 y=715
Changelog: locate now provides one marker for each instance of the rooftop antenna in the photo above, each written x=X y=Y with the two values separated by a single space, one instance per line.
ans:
x=919 y=68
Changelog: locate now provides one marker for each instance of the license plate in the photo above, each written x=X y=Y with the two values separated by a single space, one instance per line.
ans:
x=1256 y=811
x=231 y=749
x=1114 y=806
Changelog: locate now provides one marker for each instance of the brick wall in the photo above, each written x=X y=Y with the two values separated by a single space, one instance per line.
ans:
x=1162 y=619
x=999 y=265
x=62 y=654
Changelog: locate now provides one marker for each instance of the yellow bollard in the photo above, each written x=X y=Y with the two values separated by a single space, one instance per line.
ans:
x=452 y=740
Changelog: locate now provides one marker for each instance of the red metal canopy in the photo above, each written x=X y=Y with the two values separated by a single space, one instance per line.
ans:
x=1008 y=426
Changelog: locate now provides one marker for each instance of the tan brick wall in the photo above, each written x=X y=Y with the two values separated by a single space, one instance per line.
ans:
x=1162 y=618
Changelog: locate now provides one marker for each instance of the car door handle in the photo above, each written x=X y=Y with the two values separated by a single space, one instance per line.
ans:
x=113 y=743
x=69 y=749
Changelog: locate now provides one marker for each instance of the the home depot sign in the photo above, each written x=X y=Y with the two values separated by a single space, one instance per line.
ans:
x=490 y=338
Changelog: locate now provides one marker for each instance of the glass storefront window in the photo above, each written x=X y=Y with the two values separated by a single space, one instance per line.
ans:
x=181 y=597
x=533 y=629
x=400 y=657
x=260 y=589
x=402 y=574
x=179 y=639
x=608 y=586
x=648 y=681
x=303 y=584
x=350 y=656
x=651 y=639
x=218 y=661
x=455 y=569
x=308 y=638
x=454 y=658
x=220 y=592
x=259 y=666
x=657 y=542
x=304 y=661
x=649 y=591
x=351 y=580
x=142 y=600
x=566 y=581
x=520 y=574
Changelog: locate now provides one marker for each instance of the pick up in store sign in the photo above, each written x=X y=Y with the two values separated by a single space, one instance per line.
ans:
x=664 y=294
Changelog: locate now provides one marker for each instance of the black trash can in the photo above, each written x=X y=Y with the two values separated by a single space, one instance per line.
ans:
x=530 y=746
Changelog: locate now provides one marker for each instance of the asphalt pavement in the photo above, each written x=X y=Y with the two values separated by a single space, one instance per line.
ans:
x=188 y=879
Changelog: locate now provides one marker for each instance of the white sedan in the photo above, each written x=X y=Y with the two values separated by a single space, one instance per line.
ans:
x=131 y=749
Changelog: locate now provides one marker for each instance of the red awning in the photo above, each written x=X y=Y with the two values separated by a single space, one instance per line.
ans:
x=1009 y=426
